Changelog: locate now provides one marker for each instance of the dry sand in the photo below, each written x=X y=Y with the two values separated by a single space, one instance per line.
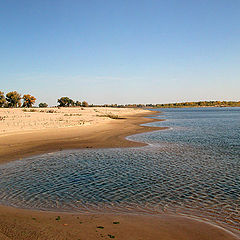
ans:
x=17 y=120
x=21 y=138
x=28 y=133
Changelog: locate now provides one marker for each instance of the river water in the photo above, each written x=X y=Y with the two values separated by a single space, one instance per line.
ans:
x=191 y=168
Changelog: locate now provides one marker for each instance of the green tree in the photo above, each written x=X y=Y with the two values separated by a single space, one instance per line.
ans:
x=14 y=99
x=2 y=99
x=42 y=105
x=71 y=103
x=28 y=100
x=65 y=102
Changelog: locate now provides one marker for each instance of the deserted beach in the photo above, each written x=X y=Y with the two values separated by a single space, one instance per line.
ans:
x=103 y=132
x=119 y=120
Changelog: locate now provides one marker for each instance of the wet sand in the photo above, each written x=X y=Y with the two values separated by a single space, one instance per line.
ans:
x=26 y=224
x=18 y=224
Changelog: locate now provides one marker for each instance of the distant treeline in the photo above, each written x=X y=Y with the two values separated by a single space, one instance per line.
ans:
x=197 y=104
x=175 y=105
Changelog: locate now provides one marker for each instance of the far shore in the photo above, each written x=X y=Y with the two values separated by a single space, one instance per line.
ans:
x=103 y=132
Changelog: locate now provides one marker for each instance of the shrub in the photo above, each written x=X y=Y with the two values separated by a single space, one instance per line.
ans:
x=84 y=104
x=42 y=105
x=110 y=116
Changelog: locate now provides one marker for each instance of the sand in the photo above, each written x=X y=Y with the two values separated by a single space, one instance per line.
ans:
x=30 y=133
x=13 y=121
x=26 y=224
x=18 y=140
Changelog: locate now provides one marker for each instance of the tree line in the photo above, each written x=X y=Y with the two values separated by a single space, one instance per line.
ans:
x=68 y=102
x=197 y=104
x=175 y=105
x=14 y=99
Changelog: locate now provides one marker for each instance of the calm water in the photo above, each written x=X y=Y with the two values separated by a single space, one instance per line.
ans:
x=191 y=168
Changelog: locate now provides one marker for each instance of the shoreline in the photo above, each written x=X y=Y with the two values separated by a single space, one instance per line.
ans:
x=103 y=135
x=24 y=224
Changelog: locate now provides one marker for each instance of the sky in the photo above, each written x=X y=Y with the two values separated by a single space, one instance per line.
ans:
x=121 y=51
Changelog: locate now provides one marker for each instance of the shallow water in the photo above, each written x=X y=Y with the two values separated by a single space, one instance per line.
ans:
x=192 y=168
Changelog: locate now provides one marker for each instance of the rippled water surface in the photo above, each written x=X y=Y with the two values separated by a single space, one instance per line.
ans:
x=193 y=168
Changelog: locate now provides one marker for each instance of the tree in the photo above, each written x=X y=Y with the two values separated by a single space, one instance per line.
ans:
x=71 y=103
x=78 y=104
x=14 y=99
x=84 y=104
x=42 y=105
x=28 y=100
x=2 y=99
x=65 y=102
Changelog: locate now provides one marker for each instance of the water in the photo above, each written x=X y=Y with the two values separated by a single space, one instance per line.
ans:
x=191 y=168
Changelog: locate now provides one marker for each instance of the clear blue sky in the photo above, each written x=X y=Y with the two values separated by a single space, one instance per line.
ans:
x=121 y=51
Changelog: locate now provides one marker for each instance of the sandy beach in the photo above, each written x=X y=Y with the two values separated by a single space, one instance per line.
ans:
x=26 y=133
x=36 y=131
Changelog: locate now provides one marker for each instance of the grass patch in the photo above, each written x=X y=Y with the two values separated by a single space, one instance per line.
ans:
x=72 y=114
x=111 y=236
x=58 y=218
x=101 y=227
x=35 y=110
x=29 y=110
x=50 y=111
x=112 y=116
